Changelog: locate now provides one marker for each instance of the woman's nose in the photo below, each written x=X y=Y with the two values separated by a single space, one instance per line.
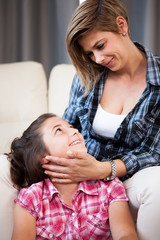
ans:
x=99 y=58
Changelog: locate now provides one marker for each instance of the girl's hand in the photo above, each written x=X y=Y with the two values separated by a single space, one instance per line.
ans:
x=78 y=167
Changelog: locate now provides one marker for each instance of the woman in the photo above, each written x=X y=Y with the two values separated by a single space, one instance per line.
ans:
x=115 y=103
x=43 y=210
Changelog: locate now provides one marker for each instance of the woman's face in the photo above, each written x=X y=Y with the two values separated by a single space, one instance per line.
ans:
x=105 y=48
x=59 y=137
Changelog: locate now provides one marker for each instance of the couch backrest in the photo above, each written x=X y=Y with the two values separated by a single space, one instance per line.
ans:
x=23 y=97
x=60 y=81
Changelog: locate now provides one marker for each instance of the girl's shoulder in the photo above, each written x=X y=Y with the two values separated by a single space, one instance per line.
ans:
x=31 y=194
x=114 y=188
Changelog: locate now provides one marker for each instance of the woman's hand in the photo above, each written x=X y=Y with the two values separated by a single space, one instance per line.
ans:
x=79 y=167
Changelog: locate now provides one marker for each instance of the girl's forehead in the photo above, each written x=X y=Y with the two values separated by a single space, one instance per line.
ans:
x=53 y=121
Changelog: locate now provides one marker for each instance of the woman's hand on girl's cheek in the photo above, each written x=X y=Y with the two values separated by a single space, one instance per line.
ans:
x=79 y=167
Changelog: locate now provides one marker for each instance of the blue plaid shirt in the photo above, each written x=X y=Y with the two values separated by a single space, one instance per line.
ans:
x=137 y=140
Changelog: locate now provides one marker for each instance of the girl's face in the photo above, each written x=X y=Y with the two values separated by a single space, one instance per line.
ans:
x=105 y=48
x=59 y=137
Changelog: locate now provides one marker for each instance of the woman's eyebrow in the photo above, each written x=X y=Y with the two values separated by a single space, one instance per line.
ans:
x=94 y=46
x=96 y=43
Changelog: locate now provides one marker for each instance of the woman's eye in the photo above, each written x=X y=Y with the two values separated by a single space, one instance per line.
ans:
x=100 y=46
x=89 y=54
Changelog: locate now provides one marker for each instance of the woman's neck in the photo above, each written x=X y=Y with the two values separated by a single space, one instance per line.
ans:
x=136 y=62
x=67 y=191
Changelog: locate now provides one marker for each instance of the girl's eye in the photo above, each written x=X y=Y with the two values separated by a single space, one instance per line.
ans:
x=100 y=46
x=58 y=130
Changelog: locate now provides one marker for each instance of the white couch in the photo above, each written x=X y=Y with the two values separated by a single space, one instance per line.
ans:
x=25 y=94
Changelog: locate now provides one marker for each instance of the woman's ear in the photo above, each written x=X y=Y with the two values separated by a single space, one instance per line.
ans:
x=122 y=24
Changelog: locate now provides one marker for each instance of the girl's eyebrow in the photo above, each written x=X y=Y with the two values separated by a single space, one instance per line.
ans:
x=58 y=125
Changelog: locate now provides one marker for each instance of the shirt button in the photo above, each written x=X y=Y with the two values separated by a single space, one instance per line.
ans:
x=100 y=224
x=50 y=235
x=77 y=236
x=73 y=214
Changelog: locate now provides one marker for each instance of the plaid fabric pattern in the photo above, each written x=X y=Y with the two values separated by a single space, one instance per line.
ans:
x=86 y=218
x=137 y=140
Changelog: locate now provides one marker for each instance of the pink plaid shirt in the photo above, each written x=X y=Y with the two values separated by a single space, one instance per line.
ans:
x=86 y=218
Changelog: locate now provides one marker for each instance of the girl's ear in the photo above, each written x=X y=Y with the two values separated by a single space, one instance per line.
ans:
x=122 y=24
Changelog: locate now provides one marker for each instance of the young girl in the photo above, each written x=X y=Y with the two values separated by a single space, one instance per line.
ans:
x=43 y=210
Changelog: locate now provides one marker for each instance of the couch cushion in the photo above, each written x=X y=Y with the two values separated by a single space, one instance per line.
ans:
x=23 y=97
x=60 y=81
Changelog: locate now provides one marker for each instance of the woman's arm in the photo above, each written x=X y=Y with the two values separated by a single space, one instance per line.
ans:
x=121 y=222
x=24 y=224
x=80 y=167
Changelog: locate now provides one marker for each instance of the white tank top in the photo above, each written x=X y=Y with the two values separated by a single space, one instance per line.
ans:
x=106 y=124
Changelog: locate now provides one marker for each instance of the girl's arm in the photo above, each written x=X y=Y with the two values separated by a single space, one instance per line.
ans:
x=24 y=224
x=121 y=222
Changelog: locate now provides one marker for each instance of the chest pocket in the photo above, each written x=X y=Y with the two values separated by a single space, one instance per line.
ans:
x=139 y=131
x=97 y=226
x=51 y=231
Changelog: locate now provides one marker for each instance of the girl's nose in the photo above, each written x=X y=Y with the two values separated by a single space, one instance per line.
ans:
x=72 y=131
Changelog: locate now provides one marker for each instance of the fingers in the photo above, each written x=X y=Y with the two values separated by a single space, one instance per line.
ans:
x=57 y=160
x=44 y=161
x=57 y=180
x=58 y=177
x=56 y=169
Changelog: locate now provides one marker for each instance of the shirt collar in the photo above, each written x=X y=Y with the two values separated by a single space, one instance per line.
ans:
x=88 y=187
x=48 y=189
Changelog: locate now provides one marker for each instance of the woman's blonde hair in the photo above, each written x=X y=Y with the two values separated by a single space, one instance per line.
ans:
x=91 y=14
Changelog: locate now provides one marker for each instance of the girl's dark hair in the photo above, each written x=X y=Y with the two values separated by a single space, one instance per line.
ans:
x=26 y=155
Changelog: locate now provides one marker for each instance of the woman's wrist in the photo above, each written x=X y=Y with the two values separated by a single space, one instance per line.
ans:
x=113 y=171
x=106 y=169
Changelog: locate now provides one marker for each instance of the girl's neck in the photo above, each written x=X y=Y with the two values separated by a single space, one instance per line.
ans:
x=67 y=191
